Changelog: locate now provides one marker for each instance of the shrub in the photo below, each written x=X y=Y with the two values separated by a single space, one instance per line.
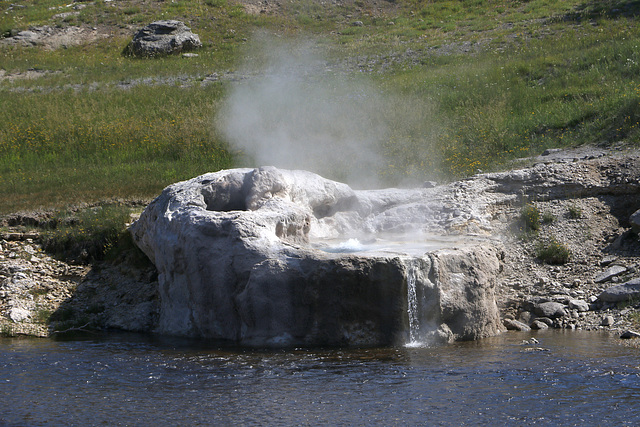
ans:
x=553 y=252
x=530 y=218
x=575 y=212
x=548 y=218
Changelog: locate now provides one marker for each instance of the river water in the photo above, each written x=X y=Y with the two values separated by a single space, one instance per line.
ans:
x=582 y=378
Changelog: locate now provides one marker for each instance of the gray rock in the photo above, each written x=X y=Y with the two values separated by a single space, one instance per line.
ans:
x=610 y=273
x=538 y=325
x=607 y=321
x=623 y=292
x=514 y=325
x=634 y=220
x=526 y=317
x=162 y=38
x=579 y=305
x=551 y=310
x=247 y=255
x=19 y=314
x=545 y=320
x=629 y=334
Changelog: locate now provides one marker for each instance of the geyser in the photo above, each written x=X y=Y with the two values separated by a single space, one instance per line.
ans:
x=250 y=256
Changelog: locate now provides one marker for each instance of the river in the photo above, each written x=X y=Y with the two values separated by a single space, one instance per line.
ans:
x=578 y=378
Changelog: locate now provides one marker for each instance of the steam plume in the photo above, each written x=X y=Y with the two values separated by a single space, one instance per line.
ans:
x=295 y=113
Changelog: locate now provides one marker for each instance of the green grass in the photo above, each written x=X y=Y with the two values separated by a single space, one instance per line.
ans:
x=480 y=83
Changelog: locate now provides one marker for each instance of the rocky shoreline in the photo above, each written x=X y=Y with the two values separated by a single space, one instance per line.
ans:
x=585 y=199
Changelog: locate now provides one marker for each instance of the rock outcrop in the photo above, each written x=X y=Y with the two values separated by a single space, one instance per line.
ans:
x=247 y=256
x=163 y=38
x=277 y=234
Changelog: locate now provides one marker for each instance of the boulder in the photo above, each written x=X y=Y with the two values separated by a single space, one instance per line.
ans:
x=163 y=38
x=551 y=310
x=539 y=325
x=628 y=334
x=514 y=325
x=268 y=257
x=624 y=292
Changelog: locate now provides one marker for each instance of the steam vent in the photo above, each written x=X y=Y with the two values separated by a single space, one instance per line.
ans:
x=269 y=257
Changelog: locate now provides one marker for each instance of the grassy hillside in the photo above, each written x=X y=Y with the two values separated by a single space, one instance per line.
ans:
x=469 y=85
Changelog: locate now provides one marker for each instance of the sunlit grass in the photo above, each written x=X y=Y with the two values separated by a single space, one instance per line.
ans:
x=73 y=146
x=535 y=74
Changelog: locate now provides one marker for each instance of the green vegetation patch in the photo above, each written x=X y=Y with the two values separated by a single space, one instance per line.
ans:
x=483 y=82
x=553 y=251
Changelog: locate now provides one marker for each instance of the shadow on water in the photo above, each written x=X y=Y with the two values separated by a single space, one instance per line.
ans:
x=568 y=378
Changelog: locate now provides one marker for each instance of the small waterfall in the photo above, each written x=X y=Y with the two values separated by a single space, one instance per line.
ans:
x=413 y=306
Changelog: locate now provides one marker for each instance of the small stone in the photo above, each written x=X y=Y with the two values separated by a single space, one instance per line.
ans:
x=607 y=321
x=578 y=305
x=608 y=260
x=357 y=23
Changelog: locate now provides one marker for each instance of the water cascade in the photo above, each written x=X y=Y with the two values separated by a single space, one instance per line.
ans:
x=412 y=307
